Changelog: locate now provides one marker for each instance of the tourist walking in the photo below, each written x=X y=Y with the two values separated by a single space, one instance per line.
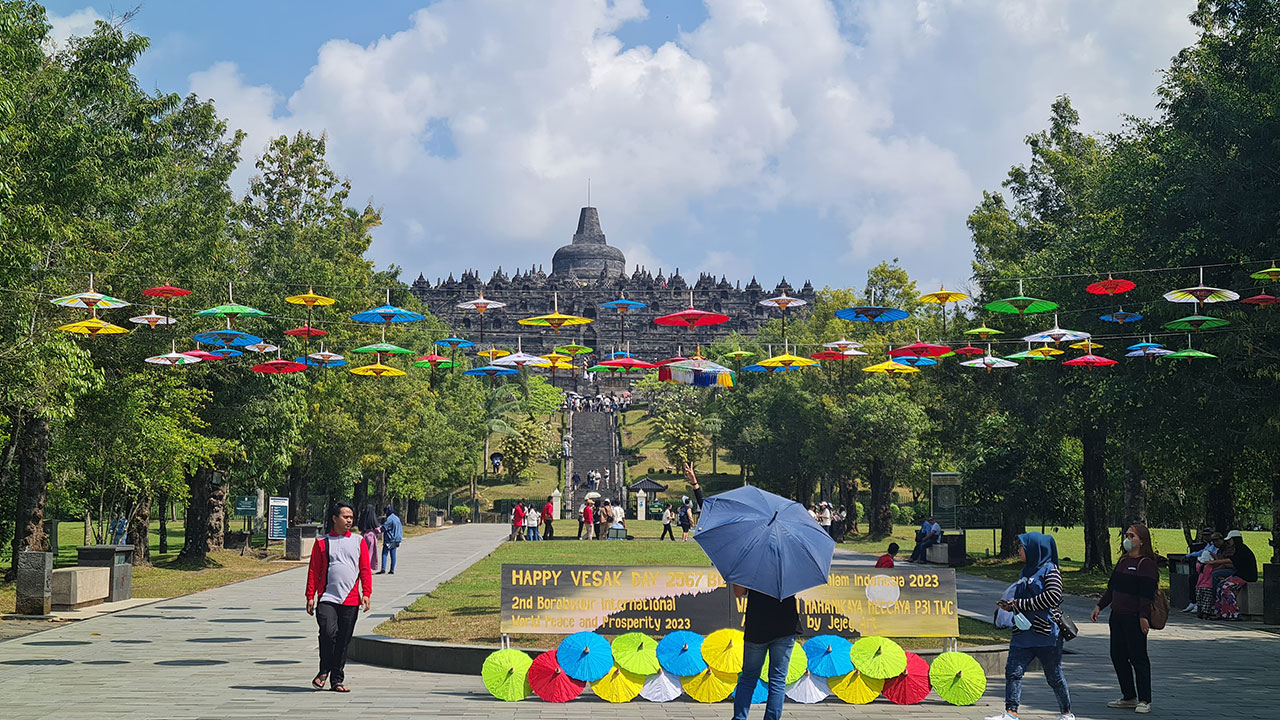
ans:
x=517 y=521
x=532 y=518
x=1037 y=632
x=588 y=520
x=548 y=514
x=686 y=519
x=370 y=528
x=1130 y=594
x=768 y=628
x=339 y=585
x=668 y=517
x=604 y=517
x=392 y=536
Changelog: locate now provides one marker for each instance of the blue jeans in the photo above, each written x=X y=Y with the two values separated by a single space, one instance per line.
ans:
x=532 y=532
x=389 y=549
x=1050 y=659
x=752 y=660
x=918 y=554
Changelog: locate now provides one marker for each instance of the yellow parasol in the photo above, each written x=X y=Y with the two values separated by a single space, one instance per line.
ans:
x=722 y=650
x=310 y=299
x=556 y=319
x=618 y=685
x=1045 y=351
x=1086 y=345
x=890 y=367
x=787 y=360
x=942 y=297
x=710 y=686
x=93 y=327
x=377 y=370
x=855 y=688
x=493 y=353
x=556 y=357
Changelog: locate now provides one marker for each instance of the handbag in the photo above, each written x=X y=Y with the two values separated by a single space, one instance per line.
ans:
x=1067 y=628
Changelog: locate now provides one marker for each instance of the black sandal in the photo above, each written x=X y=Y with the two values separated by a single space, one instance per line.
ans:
x=340 y=688
x=319 y=681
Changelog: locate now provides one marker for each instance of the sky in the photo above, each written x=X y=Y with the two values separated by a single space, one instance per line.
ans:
x=805 y=139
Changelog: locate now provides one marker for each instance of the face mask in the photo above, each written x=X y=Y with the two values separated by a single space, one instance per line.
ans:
x=1128 y=545
x=1021 y=622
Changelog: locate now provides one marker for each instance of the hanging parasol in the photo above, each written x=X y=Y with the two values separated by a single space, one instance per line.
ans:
x=520 y=358
x=722 y=650
x=168 y=292
x=890 y=367
x=912 y=686
x=1201 y=294
x=225 y=353
x=957 y=678
x=691 y=317
x=202 y=355
x=628 y=364
x=1261 y=300
x=623 y=305
x=662 y=686
x=324 y=359
x=279 y=367
x=1144 y=347
x=377 y=370
x=828 y=655
x=989 y=362
x=312 y=301
x=1189 y=353
x=1085 y=345
x=787 y=360
x=387 y=314
x=491 y=371
x=90 y=300
x=1110 y=286
x=983 y=332
x=710 y=686
x=670 y=360
x=227 y=338
x=680 y=653
x=829 y=356
x=855 y=688
x=1021 y=304
x=761 y=368
x=921 y=349
x=574 y=349
x=454 y=343
x=636 y=653
x=942 y=297
x=306 y=331
x=93 y=327
x=152 y=319
x=1196 y=322
x=231 y=310
x=970 y=350
x=914 y=360
x=584 y=655
x=782 y=302
x=556 y=319
x=493 y=353
x=1056 y=334
x=1030 y=354
x=605 y=368
x=262 y=347
x=842 y=345
x=872 y=313
x=506 y=674
x=548 y=681
x=618 y=354
x=878 y=657
x=1121 y=317
x=480 y=305
x=382 y=348
x=433 y=361
x=1272 y=273
x=1046 y=351
x=809 y=689
x=1090 y=360
x=172 y=358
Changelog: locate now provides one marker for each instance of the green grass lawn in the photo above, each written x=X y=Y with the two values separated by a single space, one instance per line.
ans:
x=71 y=535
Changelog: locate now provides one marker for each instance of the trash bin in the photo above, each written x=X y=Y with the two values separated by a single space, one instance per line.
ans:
x=437 y=518
x=299 y=539
x=1180 y=572
x=117 y=557
x=1271 y=594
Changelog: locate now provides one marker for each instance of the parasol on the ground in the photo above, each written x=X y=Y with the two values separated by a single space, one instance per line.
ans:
x=890 y=367
x=942 y=297
x=1021 y=304
x=957 y=678
x=983 y=332
x=722 y=649
x=855 y=687
x=618 y=686
x=759 y=692
x=797 y=665
x=480 y=305
x=809 y=689
x=912 y=686
x=878 y=657
x=377 y=371
x=228 y=353
x=872 y=312
x=172 y=358
x=914 y=361
x=828 y=655
x=556 y=319
x=152 y=319
x=623 y=305
x=710 y=685
x=548 y=681
x=636 y=653
x=1057 y=334
x=1261 y=300
x=90 y=300
x=1196 y=322
x=279 y=367
x=691 y=317
x=1272 y=273
x=662 y=686
x=1110 y=286
x=1201 y=294
x=93 y=327
x=585 y=656
x=782 y=302
x=1121 y=317
x=680 y=653
x=506 y=674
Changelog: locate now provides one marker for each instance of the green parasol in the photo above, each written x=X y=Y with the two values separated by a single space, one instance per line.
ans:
x=1021 y=304
x=1196 y=322
x=506 y=674
x=1272 y=273
x=983 y=332
x=636 y=653
x=1188 y=354
x=797 y=667
x=878 y=657
x=382 y=347
x=957 y=678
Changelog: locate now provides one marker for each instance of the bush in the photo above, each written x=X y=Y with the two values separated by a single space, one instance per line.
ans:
x=461 y=512
x=859 y=512
x=902 y=515
x=920 y=512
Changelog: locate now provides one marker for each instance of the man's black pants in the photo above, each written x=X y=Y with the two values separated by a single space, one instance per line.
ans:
x=666 y=530
x=549 y=533
x=336 y=625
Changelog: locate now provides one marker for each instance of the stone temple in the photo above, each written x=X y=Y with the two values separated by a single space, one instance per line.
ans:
x=586 y=273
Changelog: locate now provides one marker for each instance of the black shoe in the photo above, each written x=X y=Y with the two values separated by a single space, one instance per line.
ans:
x=393 y=572
x=381 y=572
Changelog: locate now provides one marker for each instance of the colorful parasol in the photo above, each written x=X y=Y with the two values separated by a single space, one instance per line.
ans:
x=782 y=302
x=506 y=674
x=759 y=692
x=878 y=657
x=433 y=361
x=493 y=353
x=1021 y=304
x=855 y=687
x=1188 y=353
x=152 y=319
x=556 y=319
x=225 y=353
x=722 y=650
x=1085 y=345
x=787 y=360
x=829 y=356
x=912 y=686
x=387 y=314
x=623 y=305
x=574 y=349
x=1201 y=294
x=227 y=338
x=377 y=370
x=942 y=297
x=842 y=344
x=93 y=327
x=854 y=353
x=618 y=686
x=1196 y=322
x=710 y=686
x=172 y=358
x=989 y=362
x=90 y=300
x=983 y=332
x=167 y=292
x=202 y=355
x=1121 y=317
x=231 y=310
x=279 y=367
x=796 y=666
x=828 y=655
x=1046 y=351
x=809 y=689
x=382 y=348
x=891 y=367
x=914 y=360
x=262 y=347
x=1110 y=286
x=1261 y=300
x=636 y=653
x=584 y=656
x=491 y=371
x=680 y=653
x=618 y=354
x=548 y=681
x=454 y=343
x=761 y=368
x=872 y=312
x=957 y=678
x=1090 y=361
x=691 y=317
x=1056 y=334
x=520 y=358
x=306 y=331
x=670 y=360
x=324 y=359
x=662 y=686
x=970 y=350
x=628 y=364
x=921 y=349
x=1030 y=354
x=311 y=300
x=1272 y=273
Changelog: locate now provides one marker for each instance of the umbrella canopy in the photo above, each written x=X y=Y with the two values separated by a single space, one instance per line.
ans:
x=493 y=353
x=480 y=304
x=556 y=319
x=1151 y=353
x=1029 y=354
x=670 y=360
x=1056 y=334
x=661 y=687
x=377 y=370
x=943 y=296
x=842 y=344
x=1196 y=322
x=627 y=364
x=1046 y=351
x=809 y=689
x=383 y=348
x=710 y=685
x=306 y=331
x=722 y=649
x=202 y=355
x=776 y=368
x=763 y=542
x=323 y=359
x=573 y=349
x=921 y=349
x=636 y=653
x=1272 y=273
x=548 y=681
x=555 y=357
x=1110 y=286
x=262 y=347
x=1144 y=346
x=152 y=319
x=165 y=291
x=230 y=310
x=783 y=301
x=387 y=314
x=1085 y=345
x=853 y=353
x=957 y=678
x=912 y=686
x=506 y=674
x=585 y=656
x=1121 y=317
x=227 y=338
x=878 y=657
x=279 y=367
x=828 y=655
x=680 y=653
x=622 y=305
x=787 y=360
x=1021 y=305
x=521 y=359
x=796 y=666
x=891 y=367
x=432 y=360
x=618 y=354
x=1188 y=354
x=969 y=350
x=90 y=300
x=1201 y=294
x=93 y=327
x=983 y=332
x=914 y=361
x=491 y=371
x=829 y=355
x=872 y=313
x=454 y=342
x=310 y=299
x=1090 y=361
x=990 y=362
x=227 y=353
x=173 y=358
x=618 y=686
x=1261 y=300
x=739 y=354
x=691 y=318
x=855 y=687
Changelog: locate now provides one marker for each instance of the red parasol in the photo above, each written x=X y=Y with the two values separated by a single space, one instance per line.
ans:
x=920 y=349
x=911 y=686
x=1111 y=286
x=691 y=318
x=165 y=291
x=670 y=360
x=549 y=682
x=1261 y=300
x=970 y=350
x=628 y=364
x=306 y=331
x=202 y=355
x=829 y=355
x=1090 y=361
x=279 y=367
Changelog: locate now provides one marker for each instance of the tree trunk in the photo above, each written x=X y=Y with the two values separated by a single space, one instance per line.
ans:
x=6 y=472
x=880 y=518
x=1220 y=502
x=360 y=495
x=88 y=528
x=413 y=509
x=33 y=481
x=1013 y=522
x=218 y=491
x=1097 y=540
x=139 y=531
x=1135 y=491
x=297 y=490
x=804 y=490
x=196 y=544
x=164 y=527
x=382 y=489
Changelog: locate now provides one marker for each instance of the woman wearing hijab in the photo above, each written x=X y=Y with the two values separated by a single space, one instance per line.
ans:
x=1130 y=592
x=1037 y=633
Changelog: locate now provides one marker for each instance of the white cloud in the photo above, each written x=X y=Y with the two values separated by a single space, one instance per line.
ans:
x=888 y=116
x=77 y=23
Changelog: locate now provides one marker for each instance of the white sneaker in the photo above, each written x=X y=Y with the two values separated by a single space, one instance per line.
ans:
x=1191 y=607
x=1068 y=716
x=1002 y=716
x=1123 y=703
x=1143 y=708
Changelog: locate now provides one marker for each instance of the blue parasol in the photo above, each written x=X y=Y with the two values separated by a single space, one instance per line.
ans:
x=313 y=362
x=455 y=343
x=764 y=542
x=680 y=653
x=619 y=354
x=226 y=338
x=914 y=360
x=872 y=313
x=623 y=305
x=387 y=314
x=759 y=693
x=1121 y=316
x=491 y=371
x=829 y=655
x=226 y=353
x=585 y=656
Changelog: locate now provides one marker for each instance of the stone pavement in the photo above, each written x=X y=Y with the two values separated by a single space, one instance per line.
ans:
x=248 y=651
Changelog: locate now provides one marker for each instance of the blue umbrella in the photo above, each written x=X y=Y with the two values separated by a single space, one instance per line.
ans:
x=680 y=653
x=585 y=656
x=226 y=353
x=759 y=693
x=455 y=343
x=619 y=354
x=828 y=655
x=764 y=542
x=1121 y=317
x=622 y=305
x=762 y=368
x=226 y=338
x=871 y=313
x=914 y=360
x=492 y=371
x=387 y=314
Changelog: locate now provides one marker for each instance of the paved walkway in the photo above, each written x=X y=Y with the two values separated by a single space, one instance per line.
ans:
x=248 y=651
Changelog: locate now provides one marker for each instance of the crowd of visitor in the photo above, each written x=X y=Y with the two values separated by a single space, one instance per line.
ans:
x=596 y=403
x=1222 y=566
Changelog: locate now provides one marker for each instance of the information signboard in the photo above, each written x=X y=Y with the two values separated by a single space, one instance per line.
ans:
x=246 y=506
x=277 y=518
x=562 y=599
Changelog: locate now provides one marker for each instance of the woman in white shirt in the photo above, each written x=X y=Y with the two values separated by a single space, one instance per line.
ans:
x=531 y=519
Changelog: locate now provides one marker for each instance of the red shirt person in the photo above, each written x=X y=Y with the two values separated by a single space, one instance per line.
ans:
x=339 y=585
x=548 y=514
x=886 y=560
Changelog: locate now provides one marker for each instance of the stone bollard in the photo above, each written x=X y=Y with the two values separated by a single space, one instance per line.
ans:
x=34 y=583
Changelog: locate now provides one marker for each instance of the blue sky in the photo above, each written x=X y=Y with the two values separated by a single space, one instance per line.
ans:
x=805 y=138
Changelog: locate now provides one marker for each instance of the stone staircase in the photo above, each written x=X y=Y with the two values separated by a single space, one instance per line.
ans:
x=595 y=447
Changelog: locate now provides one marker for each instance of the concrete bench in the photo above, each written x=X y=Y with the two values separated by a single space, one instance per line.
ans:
x=77 y=587
x=939 y=553
x=1249 y=601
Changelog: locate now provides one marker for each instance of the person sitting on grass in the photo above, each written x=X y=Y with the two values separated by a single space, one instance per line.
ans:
x=886 y=560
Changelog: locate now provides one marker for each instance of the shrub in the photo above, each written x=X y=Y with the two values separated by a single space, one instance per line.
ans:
x=461 y=511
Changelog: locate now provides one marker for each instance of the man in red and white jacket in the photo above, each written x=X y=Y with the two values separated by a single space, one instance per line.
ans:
x=339 y=570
